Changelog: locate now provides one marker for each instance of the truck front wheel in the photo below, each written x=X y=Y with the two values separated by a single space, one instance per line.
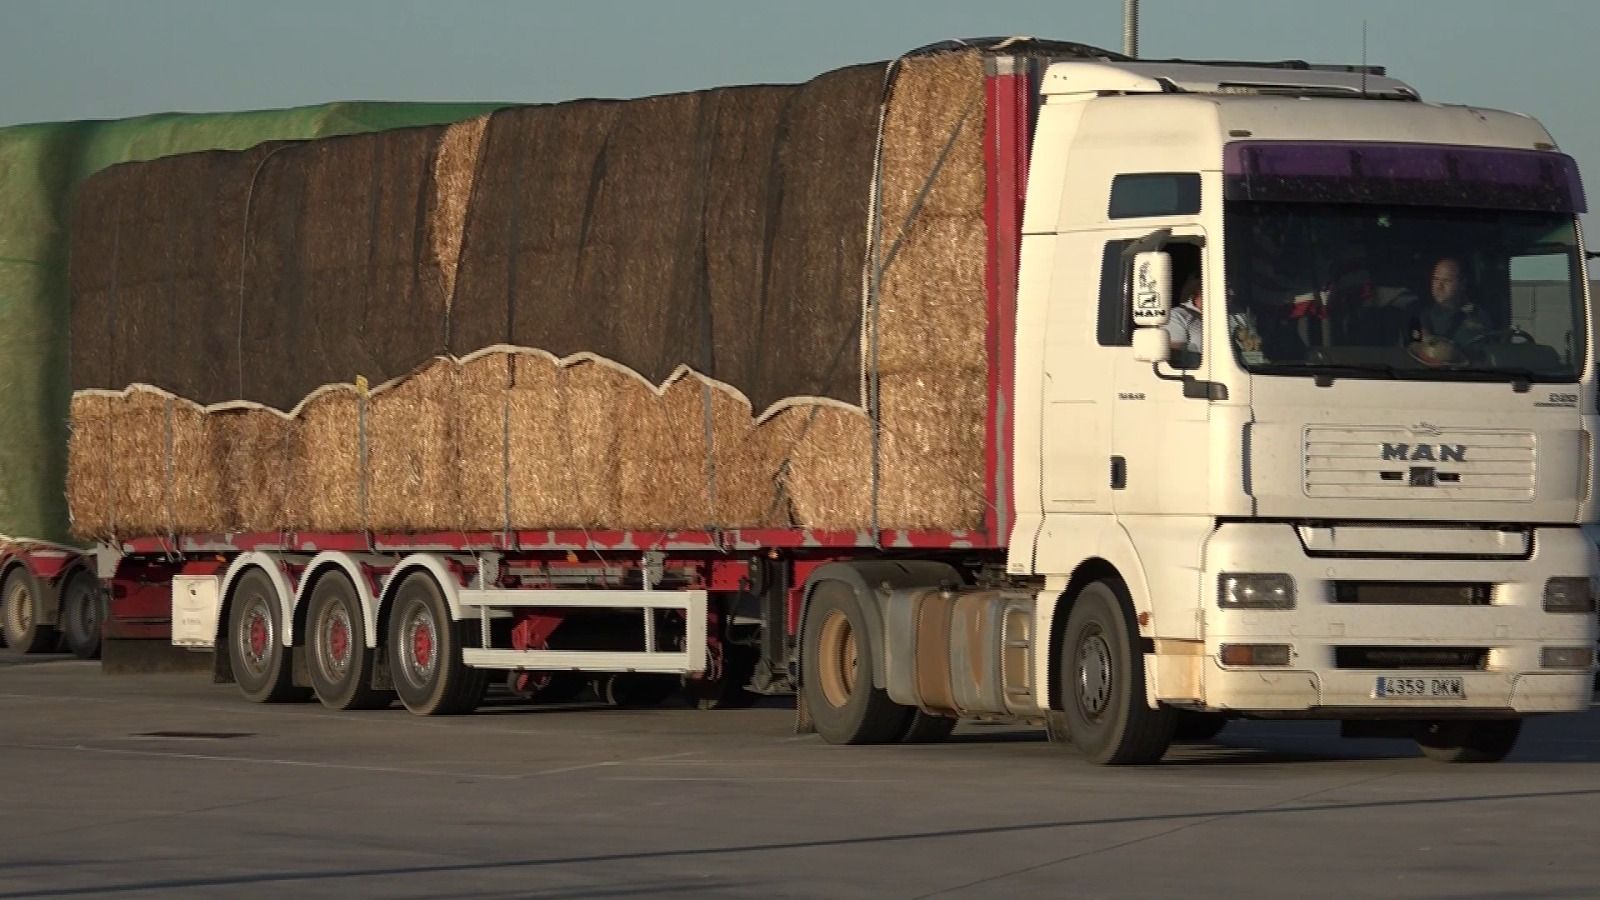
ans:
x=425 y=653
x=1103 y=690
x=1480 y=741
x=837 y=652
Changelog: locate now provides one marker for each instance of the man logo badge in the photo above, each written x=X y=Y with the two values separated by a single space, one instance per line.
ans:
x=1425 y=452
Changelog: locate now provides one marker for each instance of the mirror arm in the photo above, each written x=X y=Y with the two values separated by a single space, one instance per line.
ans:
x=1194 y=388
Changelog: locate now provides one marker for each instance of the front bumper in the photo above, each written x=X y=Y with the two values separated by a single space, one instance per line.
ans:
x=1512 y=629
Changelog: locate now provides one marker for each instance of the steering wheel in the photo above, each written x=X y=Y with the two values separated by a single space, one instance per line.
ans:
x=1512 y=335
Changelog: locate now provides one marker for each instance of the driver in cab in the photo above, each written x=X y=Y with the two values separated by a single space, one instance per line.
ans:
x=1450 y=321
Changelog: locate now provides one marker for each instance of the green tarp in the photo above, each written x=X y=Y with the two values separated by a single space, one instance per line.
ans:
x=41 y=167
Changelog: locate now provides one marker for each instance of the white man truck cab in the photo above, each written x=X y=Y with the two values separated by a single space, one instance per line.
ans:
x=1334 y=510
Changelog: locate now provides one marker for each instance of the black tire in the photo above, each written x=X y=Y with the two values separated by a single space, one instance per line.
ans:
x=82 y=614
x=626 y=689
x=339 y=661
x=927 y=729
x=256 y=654
x=838 y=655
x=425 y=653
x=1103 y=682
x=1197 y=727
x=19 y=611
x=1473 y=741
x=728 y=692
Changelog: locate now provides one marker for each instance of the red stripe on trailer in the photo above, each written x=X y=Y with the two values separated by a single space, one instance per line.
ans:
x=565 y=540
x=1006 y=144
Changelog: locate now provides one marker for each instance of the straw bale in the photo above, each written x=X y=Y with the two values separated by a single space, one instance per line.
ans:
x=253 y=449
x=931 y=97
x=478 y=410
x=810 y=305
x=195 y=492
x=539 y=477
x=662 y=463
x=326 y=476
x=89 y=451
x=590 y=438
x=455 y=164
x=412 y=470
x=829 y=475
x=155 y=273
x=530 y=206
x=336 y=281
x=745 y=459
x=932 y=470
x=138 y=463
x=932 y=307
x=739 y=223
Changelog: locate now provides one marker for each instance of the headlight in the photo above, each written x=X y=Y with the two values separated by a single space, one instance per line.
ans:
x=1251 y=590
x=1568 y=595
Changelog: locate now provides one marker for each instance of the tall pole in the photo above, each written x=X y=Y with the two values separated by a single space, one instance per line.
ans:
x=1130 y=28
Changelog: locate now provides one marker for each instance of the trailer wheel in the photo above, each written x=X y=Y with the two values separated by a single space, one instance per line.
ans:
x=425 y=653
x=82 y=612
x=1481 y=741
x=19 y=606
x=838 y=660
x=255 y=642
x=341 y=662
x=1104 y=691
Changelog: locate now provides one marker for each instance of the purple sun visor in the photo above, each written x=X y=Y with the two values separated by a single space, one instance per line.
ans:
x=1402 y=174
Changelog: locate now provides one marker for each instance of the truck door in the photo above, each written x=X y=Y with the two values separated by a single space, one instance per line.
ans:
x=1159 y=444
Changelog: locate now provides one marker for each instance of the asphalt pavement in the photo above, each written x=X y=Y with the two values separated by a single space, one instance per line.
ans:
x=168 y=785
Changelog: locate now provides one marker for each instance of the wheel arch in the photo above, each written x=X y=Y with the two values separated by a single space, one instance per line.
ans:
x=354 y=569
x=273 y=567
x=437 y=567
x=1089 y=571
x=865 y=577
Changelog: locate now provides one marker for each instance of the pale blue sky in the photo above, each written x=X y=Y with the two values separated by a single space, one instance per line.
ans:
x=67 y=59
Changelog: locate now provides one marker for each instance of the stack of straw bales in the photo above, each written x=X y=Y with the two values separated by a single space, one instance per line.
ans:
x=640 y=315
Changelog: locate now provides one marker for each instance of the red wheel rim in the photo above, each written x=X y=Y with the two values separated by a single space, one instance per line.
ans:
x=339 y=641
x=259 y=632
x=422 y=645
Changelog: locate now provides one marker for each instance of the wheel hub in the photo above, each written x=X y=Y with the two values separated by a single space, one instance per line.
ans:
x=257 y=636
x=20 y=610
x=838 y=656
x=336 y=643
x=423 y=641
x=1095 y=675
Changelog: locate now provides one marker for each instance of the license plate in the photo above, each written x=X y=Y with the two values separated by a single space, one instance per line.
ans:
x=1423 y=688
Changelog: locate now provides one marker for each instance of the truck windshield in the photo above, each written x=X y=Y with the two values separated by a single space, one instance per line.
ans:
x=1366 y=290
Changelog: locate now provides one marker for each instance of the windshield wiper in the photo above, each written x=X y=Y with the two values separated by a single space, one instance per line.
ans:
x=1521 y=379
x=1325 y=374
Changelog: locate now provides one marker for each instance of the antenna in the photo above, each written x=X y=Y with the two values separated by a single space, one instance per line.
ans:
x=1363 y=59
x=1130 y=28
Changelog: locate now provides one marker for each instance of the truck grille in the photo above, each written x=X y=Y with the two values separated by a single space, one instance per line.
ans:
x=1437 y=658
x=1413 y=593
x=1395 y=463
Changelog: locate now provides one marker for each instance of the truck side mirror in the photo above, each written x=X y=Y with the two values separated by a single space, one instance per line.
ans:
x=1151 y=345
x=1152 y=288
